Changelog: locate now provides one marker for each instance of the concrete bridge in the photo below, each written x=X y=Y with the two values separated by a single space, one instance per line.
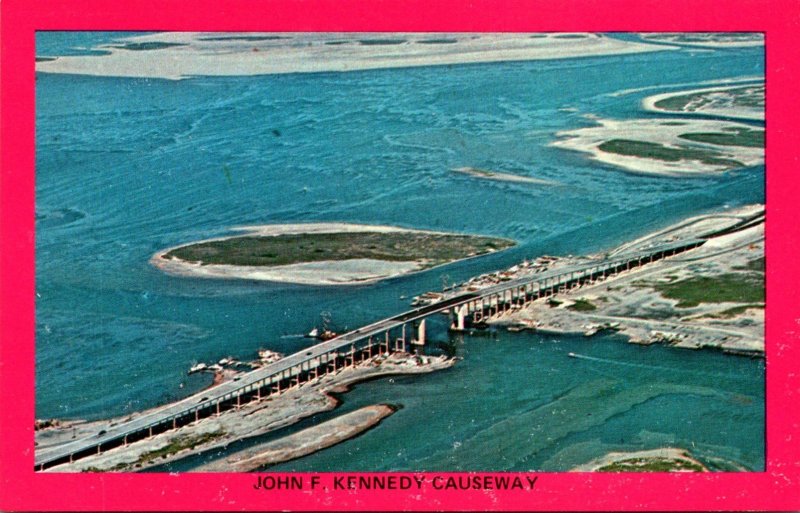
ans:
x=402 y=332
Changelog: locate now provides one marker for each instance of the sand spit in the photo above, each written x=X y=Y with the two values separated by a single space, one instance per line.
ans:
x=501 y=177
x=252 y=419
x=656 y=146
x=178 y=55
x=714 y=101
x=302 y=443
x=355 y=271
x=667 y=459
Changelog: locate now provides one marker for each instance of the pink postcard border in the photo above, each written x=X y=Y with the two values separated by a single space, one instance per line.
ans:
x=23 y=490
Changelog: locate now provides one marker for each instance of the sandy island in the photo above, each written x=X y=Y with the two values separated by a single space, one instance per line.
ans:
x=668 y=147
x=178 y=55
x=350 y=271
x=251 y=420
x=667 y=459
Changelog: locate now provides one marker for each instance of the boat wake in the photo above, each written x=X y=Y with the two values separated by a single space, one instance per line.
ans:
x=645 y=366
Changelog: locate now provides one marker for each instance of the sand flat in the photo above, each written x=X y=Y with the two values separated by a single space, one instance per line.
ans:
x=178 y=55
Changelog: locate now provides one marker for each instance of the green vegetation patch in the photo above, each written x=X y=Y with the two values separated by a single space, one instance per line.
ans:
x=569 y=36
x=758 y=265
x=440 y=41
x=724 y=288
x=736 y=137
x=650 y=150
x=242 y=38
x=370 y=42
x=149 y=45
x=179 y=444
x=582 y=305
x=733 y=312
x=652 y=465
x=432 y=248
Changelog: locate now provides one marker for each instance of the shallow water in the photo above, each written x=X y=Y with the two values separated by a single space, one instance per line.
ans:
x=126 y=167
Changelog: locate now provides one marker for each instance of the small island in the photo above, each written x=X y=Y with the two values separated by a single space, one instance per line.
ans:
x=668 y=147
x=668 y=459
x=706 y=39
x=323 y=253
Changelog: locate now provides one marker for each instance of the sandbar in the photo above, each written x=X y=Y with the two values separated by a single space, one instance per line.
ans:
x=302 y=443
x=500 y=176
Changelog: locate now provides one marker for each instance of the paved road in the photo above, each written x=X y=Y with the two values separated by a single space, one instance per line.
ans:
x=229 y=389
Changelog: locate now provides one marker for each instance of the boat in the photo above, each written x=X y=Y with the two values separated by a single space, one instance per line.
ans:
x=327 y=335
x=313 y=333
x=572 y=355
x=197 y=368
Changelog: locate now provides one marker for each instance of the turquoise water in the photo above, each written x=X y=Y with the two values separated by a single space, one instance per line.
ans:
x=126 y=167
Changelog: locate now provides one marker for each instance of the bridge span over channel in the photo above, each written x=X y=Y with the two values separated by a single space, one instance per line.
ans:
x=401 y=332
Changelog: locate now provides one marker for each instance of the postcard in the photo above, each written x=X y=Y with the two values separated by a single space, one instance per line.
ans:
x=307 y=257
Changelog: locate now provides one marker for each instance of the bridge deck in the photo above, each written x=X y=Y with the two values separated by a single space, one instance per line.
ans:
x=264 y=375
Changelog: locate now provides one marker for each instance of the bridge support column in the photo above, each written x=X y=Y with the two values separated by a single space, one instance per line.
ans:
x=419 y=340
x=460 y=317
